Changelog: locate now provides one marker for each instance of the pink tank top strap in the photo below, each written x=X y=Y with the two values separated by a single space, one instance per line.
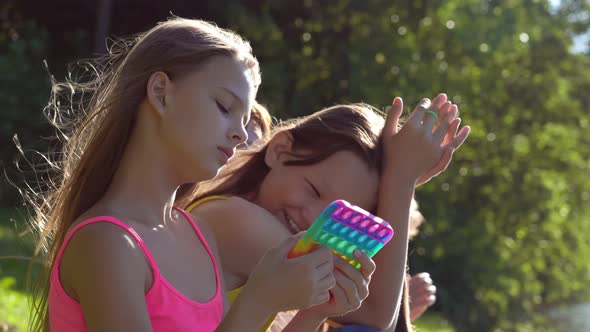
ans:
x=119 y=223
x=205 y=244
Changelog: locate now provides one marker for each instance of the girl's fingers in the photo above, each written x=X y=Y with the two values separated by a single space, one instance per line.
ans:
x=348 y=286
x=430 y=119
x=445 y=159
x=324 y=270
x=431 y=289
x=421 y=282
x=416 y=118
x=392 y=118
x=320 y=256
x=431 y=300
x=421 y=276
x=423 y=291
x=327 y=282
x=342 y=266
x=461 y=137
x=367 y=264
x=438 y=102
x=444 y=111
x=452 y=131
x=322 y=297
x=440 y=132
x=283 y=249
x=425 y=301
x=438 y=106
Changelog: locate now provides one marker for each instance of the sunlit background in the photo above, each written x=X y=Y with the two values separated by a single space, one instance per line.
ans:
x=507 y=234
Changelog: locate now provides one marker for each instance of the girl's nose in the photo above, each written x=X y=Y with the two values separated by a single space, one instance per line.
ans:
x=238 y=135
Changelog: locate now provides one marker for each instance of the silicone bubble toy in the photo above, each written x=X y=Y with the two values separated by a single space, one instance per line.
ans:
x=343 y=228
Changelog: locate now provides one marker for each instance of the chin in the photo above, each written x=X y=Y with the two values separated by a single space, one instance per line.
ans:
x=204 y=174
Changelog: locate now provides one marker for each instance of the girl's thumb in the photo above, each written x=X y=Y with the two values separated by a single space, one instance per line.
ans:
x=285 y=247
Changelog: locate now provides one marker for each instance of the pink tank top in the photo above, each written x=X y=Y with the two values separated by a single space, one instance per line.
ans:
x=169 y=310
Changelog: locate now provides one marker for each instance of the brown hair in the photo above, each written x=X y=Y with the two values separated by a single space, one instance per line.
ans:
x=354 y=127
x=404 y=323
x=416 y=219
x=262 y=117
x=95 y=114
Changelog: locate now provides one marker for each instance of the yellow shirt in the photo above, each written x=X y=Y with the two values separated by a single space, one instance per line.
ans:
x=231 y=294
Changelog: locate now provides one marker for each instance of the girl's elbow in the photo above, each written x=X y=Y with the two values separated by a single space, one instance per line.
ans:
x=380 y=317
x=384 y=320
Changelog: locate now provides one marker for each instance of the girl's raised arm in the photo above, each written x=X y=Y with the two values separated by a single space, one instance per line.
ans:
x=420 y=150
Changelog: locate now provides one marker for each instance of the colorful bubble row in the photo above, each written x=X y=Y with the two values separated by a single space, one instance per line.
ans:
x=358 y=221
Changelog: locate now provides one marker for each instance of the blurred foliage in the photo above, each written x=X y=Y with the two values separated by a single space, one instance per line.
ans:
x=13 y=307
x=24 y=90
x=15 y=248
x=507 y=226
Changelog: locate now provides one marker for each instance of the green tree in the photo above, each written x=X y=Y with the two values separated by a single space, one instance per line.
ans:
x=508 y=220
x=507 y=223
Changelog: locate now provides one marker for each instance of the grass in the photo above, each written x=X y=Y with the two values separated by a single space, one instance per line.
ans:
x=14 y=310
x=433 y=322
x=14 y=249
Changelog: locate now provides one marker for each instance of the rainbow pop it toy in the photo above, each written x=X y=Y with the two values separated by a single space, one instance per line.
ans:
x=343 y=228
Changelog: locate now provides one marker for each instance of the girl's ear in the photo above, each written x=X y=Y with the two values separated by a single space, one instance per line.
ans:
x=157 y=87
x=279 y=149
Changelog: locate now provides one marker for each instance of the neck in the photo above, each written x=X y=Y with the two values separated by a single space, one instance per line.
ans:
x=144 y=186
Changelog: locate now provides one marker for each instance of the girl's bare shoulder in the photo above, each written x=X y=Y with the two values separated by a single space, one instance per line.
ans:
x=237 y=212
x=242 y=229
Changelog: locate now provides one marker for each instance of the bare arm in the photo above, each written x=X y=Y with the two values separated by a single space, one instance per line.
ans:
x=108 y=274
x=415 y=154
x=382 y=304
x=305 y=320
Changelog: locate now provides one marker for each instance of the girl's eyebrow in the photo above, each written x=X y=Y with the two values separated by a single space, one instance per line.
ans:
x=238 y=99
x=234 y=95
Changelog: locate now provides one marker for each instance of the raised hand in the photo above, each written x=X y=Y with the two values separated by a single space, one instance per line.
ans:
x=424 y=146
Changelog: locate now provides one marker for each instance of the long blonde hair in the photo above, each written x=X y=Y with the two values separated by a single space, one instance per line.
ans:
x=262 y=117
x=95 y=115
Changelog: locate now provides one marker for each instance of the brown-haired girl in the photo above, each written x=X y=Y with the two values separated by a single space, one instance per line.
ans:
x=343 y=152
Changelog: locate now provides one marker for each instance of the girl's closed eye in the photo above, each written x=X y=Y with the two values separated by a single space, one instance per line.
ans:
x=222 y=108
x=313 y=188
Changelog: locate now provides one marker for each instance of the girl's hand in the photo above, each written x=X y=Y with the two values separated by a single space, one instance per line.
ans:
x=423 y=147
x=422 y=294
x=352 y=287
x=298 y=283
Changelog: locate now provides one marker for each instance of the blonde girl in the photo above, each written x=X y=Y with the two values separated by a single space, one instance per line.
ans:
x=165 y=108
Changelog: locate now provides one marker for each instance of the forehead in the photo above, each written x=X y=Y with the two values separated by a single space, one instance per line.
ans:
x=346 y=176
x=225 y=73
